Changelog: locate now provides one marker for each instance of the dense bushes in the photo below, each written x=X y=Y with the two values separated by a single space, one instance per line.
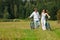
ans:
x=13 y=9
x=58 y=16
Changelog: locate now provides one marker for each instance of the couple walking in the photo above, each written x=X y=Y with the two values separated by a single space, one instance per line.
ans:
x=36 y=18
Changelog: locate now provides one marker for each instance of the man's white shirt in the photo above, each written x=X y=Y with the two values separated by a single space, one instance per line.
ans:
x=35 y=15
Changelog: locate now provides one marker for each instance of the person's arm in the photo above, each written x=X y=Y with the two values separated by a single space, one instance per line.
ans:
x=48 y=15
x=31 y=15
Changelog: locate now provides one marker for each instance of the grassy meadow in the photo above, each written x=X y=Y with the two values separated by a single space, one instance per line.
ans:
x=22 y=31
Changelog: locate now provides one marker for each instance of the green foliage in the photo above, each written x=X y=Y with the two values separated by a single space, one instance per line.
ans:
x=58 y=16
x=20 y=9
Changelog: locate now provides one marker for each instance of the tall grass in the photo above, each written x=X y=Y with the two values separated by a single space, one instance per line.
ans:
x=22 y=31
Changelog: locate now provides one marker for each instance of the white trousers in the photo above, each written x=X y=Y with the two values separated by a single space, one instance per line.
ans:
x=43 y=24
x=36 y=23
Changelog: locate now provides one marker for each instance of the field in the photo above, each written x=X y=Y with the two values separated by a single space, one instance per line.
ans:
x=22 y=31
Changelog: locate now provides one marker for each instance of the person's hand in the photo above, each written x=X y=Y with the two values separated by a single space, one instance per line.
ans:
x=48 y=17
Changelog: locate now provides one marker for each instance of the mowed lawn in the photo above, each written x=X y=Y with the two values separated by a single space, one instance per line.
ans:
x=22 y=31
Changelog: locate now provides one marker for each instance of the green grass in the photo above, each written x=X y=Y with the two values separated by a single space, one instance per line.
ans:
x=21 y=31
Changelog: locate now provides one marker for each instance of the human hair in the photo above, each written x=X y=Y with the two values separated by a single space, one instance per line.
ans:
x=45 y=10
x=35 y=9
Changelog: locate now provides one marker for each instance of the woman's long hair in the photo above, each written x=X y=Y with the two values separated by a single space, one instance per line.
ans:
x=46 y=15
x=45 y=11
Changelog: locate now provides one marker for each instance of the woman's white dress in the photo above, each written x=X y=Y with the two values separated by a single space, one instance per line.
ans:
x=43 y=20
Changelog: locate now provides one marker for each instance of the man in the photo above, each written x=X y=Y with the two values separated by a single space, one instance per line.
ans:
x=36 y=18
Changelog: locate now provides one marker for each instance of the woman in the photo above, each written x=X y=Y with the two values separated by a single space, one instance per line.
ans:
x=43 y=19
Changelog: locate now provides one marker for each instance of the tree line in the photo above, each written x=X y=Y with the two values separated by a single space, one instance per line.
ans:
x=21 y=9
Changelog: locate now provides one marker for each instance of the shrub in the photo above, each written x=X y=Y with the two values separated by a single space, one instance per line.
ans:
x=58 y=16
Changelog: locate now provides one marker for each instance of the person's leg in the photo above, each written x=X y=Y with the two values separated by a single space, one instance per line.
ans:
x=42 y=22
x=43 y=25
x=35 y=24
x=38 y=23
